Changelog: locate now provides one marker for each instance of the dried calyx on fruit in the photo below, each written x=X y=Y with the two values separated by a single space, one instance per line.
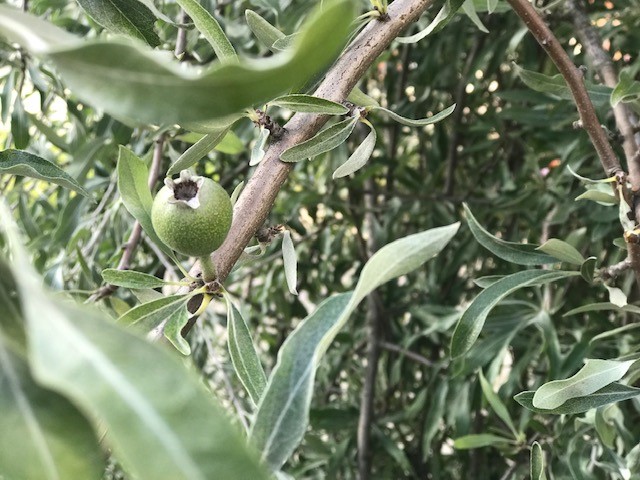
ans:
x=192 y=215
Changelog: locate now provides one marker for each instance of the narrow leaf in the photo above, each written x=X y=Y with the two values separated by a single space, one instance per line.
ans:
x=627 y=89
x=361 y=99
x=258 y=150
x=478 y=441
x=266 y=33
x=556 y=85
x=309 y=104
x=236 y=192
x=595 y=375
x=136 y=83
x=518 y=253
x=616 y=296
x=496 y=403
x=243 y=354
x=128 y=17
x=615 y=392
x=19 y=125
x=443 y=17
x=598 y=196
x=359 y=157
x=420 y=122
x=210 y=29
x=326 y=140
x=147 y=316
x=283 y=412
x=135 y=193
x=18 y=162
x=470 y=11
x=131 y=279
x=173 y=329
x=194 y=153
x=290 y=262
x=562 y=251
x=470 y=324
x=537 y=462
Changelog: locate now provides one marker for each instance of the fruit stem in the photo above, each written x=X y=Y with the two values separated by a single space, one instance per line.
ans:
x=208 y=268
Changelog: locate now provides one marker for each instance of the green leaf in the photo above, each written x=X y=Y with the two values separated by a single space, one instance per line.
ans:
x=201 y=148
x=18 y=162
x=595 y=307
x=131 y=279
x=595 y=375
x=210 y=29
x=496 y=403
x=627 y=89
x=361 y=99
x=310 y=104
x=615 y=392
x=588 y=268
x=43 y=435
x=359 y=157
x=556 y=85
x=491 y=5
x=470 y=324
x=443 y=17
x=598 y=196
x=326 y=140
x=136 y=196
x=128 y=17
x=148 y=316
x=470 y=11
x=518 y=253
x=537 y=462
x=283 y=412
x=258 y=150
x=243 y=354
x=173 y=329
x=266 y=33
x=562 y=251
x=136 y=83
x=416 y=123
x=290 y=262
x=19 y=125
x=616 y=296
x=236 y=192
x=479 y=440
x=230 y=144
x=135 y=392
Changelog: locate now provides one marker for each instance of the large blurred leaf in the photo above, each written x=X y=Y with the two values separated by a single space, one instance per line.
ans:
x=129 y=17
x=18 y=162
x=160 y=421
x=518 y=253
x=595 y=374
x=470 y=324
x=130 y=81
x=283 y=412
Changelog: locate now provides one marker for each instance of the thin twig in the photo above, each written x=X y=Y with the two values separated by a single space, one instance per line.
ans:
x=407 y=353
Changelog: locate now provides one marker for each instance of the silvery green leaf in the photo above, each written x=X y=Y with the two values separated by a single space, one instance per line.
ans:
x=290 y=262
x=308 y=103
x=325 y=141
x=359 y=157
x=131 y=279
x=210 y=29
x=173 y=329
x=416 y=123
x=258 y=150
x=266 y=33
x=18 y=162
x=198 y=150
x=443 y=17
x=243 y=353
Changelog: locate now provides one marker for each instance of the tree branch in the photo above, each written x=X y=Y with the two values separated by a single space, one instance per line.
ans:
x=575 y=81
x=258 y=196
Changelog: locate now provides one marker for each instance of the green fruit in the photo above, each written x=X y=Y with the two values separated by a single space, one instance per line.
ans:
x=192 y=214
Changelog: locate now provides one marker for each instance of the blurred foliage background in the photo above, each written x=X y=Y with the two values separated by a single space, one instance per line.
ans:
x=505 y=152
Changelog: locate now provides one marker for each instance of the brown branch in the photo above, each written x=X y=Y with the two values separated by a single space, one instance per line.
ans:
x=573 y=76
x=259 y=194
x=136 y=232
